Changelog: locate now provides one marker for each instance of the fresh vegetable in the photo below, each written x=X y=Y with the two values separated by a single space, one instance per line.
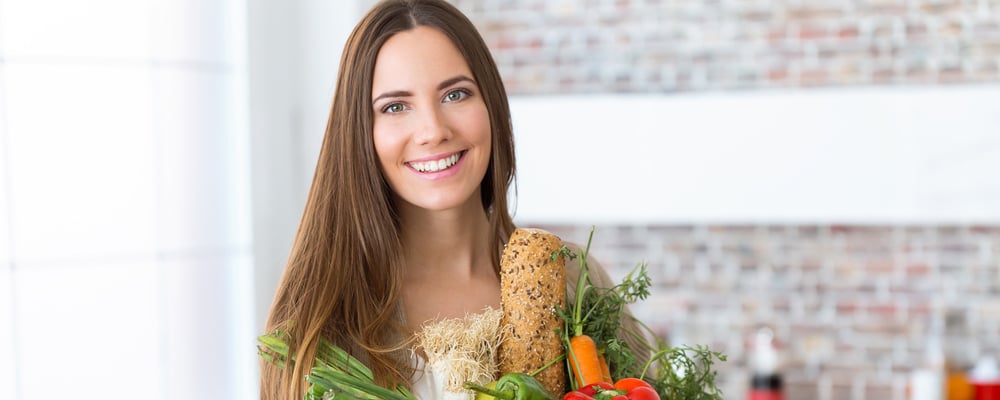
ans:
x=642 y=393
x=514 y=386
x=334 y=374
x=462 y=349
x=577 y=395
x=631 y=383
x=624 y=389
x=593 y=389
x=595 y=317
x=585 y=363
x=684 y=373
x=583 y=357
x=485 y=396
x=605 y=369
x=636 y=389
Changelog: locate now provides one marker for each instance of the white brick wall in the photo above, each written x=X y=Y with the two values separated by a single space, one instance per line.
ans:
x=647 y=46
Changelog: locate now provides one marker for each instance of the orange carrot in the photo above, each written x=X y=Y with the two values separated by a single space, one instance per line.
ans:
x=585 y=361
x=605 y=370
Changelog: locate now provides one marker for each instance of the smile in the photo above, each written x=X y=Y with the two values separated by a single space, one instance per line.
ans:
x=436 y=165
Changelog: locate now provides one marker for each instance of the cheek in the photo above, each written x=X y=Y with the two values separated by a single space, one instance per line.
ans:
x=387 y=145
x=479 y=121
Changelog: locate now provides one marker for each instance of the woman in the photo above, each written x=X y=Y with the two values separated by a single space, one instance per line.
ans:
x=407 y=215
x=386 y=243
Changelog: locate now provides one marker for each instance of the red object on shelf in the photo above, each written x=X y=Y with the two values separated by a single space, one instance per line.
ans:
x=985 y=379
x=986 y=390
x=765 y=387
x=765 y=395
x=765 y=383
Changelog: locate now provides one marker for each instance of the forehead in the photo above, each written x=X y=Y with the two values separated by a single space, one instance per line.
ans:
x=415 y=58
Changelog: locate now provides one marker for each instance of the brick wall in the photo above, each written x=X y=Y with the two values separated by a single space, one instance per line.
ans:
x=643 y=46
x=851 y=306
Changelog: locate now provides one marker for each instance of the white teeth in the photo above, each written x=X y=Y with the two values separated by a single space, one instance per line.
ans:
x=434 y=166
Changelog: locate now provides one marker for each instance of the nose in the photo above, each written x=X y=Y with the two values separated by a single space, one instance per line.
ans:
x=433 y=128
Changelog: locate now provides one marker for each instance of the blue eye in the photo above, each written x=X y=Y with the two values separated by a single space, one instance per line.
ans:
x=456 y=95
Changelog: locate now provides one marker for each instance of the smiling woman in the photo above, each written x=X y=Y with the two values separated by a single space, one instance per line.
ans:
x=407 y=214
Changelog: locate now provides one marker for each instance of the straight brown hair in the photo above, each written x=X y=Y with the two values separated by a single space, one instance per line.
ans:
x=343 y=277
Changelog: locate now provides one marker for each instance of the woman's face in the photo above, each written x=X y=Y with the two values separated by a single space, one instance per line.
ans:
x=431 y=126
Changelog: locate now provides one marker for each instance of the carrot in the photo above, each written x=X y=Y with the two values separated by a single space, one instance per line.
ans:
x=585 y=361
x=583 y=357
x=605 y=370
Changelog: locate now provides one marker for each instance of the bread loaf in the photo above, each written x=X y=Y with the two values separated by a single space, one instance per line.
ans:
x=532 y=288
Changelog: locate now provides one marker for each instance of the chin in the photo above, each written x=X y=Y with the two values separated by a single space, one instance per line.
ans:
x=444 y=203
x=440 y=205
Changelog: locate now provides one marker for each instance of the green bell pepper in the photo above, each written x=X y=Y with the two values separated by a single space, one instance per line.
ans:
x=514 y=386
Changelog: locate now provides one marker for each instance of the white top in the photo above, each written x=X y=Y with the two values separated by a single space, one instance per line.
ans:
x=430 y=386
x=424 y=386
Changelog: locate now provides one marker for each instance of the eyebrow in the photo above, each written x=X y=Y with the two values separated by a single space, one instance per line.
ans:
x=444 y=84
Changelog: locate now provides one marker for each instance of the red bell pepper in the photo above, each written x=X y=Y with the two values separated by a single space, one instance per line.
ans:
x=624 y=389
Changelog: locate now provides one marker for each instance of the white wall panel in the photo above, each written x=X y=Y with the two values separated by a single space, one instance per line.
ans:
x=126 y=155
x=193 y=31
x=4 y=174
x=81 y=161
x=206 y=307
x=202 y=199
x=8 y=374
x=3 y=42
x=93 y=29
x=91 y=330
x=279 y=186
x=856 y=155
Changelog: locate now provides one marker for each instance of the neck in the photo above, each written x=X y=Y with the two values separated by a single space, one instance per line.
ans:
x=451 y=242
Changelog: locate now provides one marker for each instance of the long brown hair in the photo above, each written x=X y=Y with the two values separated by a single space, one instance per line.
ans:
x=343 y=277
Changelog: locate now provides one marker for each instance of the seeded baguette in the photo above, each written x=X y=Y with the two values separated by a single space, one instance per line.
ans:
x=532 y=287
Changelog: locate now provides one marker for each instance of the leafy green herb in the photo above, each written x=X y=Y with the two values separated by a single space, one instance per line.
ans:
x=335 y=373
x=679 y=372
x=562 y=252
x=685 y=372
